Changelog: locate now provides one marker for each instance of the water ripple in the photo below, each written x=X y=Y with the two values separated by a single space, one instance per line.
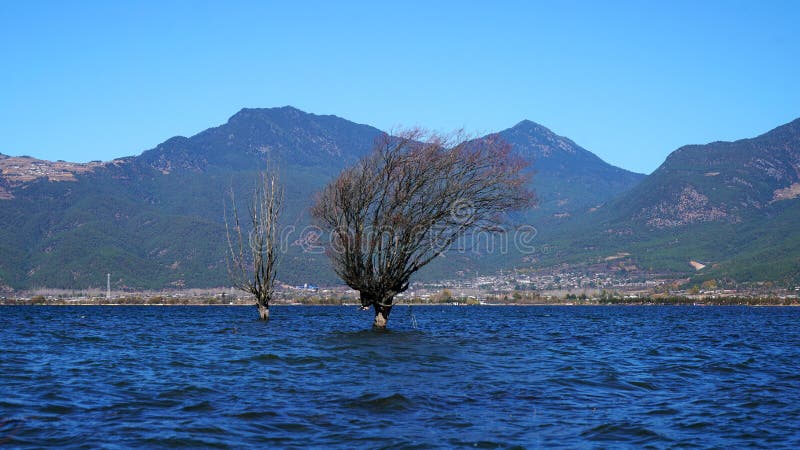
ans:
x=196 y=377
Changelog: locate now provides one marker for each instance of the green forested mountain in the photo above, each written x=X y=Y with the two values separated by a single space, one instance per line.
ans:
x=568 y=179
x=732 y=207
x=155 y=220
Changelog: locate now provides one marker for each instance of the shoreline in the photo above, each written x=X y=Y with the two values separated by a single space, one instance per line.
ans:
x=196 y=304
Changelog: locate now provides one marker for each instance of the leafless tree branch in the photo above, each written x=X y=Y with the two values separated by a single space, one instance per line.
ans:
x=252 y=260
x=408 y=200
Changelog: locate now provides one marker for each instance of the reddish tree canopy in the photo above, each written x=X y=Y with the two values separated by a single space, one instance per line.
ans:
x=408 y=200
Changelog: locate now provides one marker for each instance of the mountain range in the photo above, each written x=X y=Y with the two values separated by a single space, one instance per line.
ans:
x=724 y=210
x=156 y=220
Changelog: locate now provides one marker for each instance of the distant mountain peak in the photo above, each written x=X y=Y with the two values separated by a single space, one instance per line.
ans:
x=569 y=179
x=287 y=110
x=530 y=126
x=542 y=143
x=286 y=133
x=278 y=114
x=158 y=214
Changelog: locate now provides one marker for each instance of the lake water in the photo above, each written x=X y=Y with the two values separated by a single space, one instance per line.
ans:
x=477 y=377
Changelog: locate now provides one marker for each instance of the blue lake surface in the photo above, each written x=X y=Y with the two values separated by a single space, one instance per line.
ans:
x=476 y=377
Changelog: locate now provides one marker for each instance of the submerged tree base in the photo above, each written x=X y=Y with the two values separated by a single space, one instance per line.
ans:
x=381 y=316
x=263 y=312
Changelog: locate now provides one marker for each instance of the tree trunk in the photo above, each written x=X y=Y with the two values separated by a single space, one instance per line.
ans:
x=263 y=312
x=381 y=316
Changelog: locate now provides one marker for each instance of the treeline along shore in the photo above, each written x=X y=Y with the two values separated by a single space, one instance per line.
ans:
x=498 y=300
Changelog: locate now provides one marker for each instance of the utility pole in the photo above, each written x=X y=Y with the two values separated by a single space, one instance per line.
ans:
x=108 y=286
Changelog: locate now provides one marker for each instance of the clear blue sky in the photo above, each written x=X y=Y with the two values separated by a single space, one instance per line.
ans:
x=630 y=81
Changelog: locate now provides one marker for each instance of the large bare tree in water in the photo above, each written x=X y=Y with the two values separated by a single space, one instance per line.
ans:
x=407 y=201
x=252 y=255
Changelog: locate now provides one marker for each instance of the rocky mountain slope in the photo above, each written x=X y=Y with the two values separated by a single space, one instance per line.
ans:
x=718 y=182
x=724 y=209
x=155 y=220
x=569 y=179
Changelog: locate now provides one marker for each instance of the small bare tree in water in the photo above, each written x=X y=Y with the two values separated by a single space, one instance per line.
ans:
x=407 y=201
x=252 y=255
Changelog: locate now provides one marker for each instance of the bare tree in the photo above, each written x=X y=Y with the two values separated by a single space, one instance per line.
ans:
x=253 y=254
x=407 y=201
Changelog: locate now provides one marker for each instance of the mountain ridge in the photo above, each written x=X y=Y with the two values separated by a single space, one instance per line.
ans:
x=731 y=204
x=569 y=179
x=727 y=177
x=155 y=219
